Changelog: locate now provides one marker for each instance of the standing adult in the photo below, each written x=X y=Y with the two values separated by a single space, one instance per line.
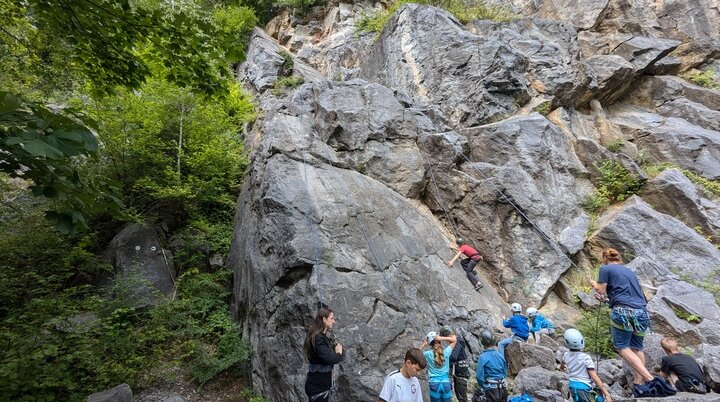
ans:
x=322 y=354
x=438 y=362
x=459 y=370
x=472 y=257
x=629 y=318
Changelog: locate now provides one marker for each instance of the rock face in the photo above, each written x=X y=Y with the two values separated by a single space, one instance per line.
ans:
x=673 y=194
x=391 y=148
x=426 y=53
x=686 y=312
x=141 y=262
x=659 y=244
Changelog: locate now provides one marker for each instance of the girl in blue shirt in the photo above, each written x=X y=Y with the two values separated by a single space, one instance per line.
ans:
x=438 y=363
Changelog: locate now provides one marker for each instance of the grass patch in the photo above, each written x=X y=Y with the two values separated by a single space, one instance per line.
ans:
x=691 y=318
x=543 y=108
x=286 y=82
x=706 y=78
x=465 y=11
x=710 y=186
x=710 y=283
x=614 y=146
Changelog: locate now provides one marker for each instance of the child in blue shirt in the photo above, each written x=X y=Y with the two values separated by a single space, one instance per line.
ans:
x=491 y=370
x=518 y=324
x=538 y=324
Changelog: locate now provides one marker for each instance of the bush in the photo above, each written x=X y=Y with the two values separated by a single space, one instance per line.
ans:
x=615 y=184
x=286 y=82
x=614 y=146
x=595 y=327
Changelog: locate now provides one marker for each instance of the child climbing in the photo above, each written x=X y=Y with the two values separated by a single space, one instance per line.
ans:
x=518 y=324
x=472 y=257
x=581 y=370
x=539 y=325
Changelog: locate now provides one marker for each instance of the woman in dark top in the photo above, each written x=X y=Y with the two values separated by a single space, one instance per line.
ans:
x=322 y=354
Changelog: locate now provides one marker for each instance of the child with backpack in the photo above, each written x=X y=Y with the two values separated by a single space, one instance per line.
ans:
x=518 y=324
x=581 y=369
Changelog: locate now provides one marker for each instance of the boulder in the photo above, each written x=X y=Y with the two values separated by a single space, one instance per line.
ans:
x=695 y=113
x=671 y=139
x=543 y=384
x=583 y=14
x=142 y=266
x=587 y=300
x=673 y=194
x=610 y=77
x=426 y=53
x=708 y=357
x=642 y=52
x=659 y=244
x=520 y=355
x=611 y=372
x=653 y=92
x=686 y=312
x=121 y=393
x=572 y=238
x=266 y=62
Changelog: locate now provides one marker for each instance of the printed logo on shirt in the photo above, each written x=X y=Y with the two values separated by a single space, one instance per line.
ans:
x=413 y=389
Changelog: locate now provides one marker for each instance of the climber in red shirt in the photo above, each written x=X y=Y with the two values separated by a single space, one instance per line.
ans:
x=472 y=257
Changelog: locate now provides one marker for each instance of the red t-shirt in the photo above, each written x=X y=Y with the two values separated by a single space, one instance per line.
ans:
x=469 y=252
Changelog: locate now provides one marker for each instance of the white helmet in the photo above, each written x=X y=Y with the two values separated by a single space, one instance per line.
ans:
x=516 y=308
x=531 y=312
x=574 y=339
x=431 y=336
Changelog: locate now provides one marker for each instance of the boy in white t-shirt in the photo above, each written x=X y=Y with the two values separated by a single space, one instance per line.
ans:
x=402 y=385
x=581 y=369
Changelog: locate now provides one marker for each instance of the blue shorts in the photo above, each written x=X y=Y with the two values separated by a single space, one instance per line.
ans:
x=440 y=391
x=628 y=327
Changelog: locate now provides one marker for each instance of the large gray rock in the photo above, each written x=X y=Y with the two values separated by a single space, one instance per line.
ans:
x=265 y=60
x=572 y=238
x=551 y=51
x=673 y=194
x=686 y=312
x=659 y=244
x=694 y=113
x=642 y=52
x=141 y=264
x=529 y=161
x=671 y=139
x=521 y=354
x=611 y=371
x=426 y=53
x=536 y=381
x=709 y=360
x=654 y=91
x=610 y=77
x=584 y=14
x=121 y=393
x=311 y=227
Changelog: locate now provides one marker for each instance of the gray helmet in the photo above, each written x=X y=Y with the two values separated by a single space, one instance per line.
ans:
x=459 y=241
x=487 y=338
x=574 y=339
x=446 y=330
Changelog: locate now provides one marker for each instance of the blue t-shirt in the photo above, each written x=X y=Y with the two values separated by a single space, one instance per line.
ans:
x=518 y=323
x=540 y=322
x=442 y=373
x=623 y=287
x=490 y=366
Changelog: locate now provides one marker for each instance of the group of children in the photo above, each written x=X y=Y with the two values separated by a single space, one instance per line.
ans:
x=491 y=371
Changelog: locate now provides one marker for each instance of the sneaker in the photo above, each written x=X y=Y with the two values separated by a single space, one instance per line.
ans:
x=478 y=286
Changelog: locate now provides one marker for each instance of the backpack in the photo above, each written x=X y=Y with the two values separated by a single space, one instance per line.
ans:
x=655 y=388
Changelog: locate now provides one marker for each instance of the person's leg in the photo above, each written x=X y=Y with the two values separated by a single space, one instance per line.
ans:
x=637 y=363
x=435 y=392
x=641 y=373
x=446 y=389
x=502 y=344
x=461 y=386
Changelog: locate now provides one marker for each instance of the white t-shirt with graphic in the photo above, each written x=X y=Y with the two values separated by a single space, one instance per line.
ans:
x=397 y=388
